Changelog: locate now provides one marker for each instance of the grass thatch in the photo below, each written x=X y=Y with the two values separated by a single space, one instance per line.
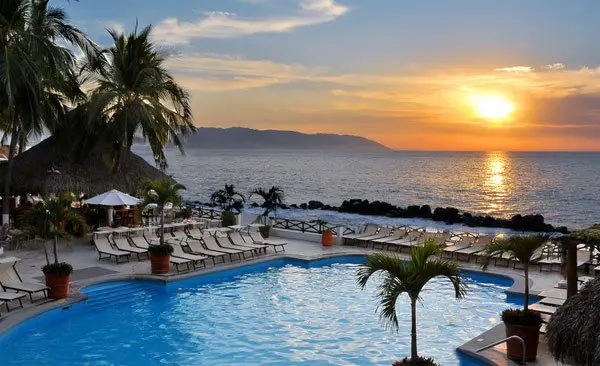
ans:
x=573 y=332
x=32 y=172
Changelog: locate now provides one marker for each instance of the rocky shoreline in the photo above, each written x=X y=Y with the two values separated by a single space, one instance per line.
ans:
x=447 y=215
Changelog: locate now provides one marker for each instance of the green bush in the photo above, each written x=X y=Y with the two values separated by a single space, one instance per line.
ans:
x=227 y=218
x=164 y=249
x=526 y=318
x=184 y=213
x=61 y=269
x=420 y=361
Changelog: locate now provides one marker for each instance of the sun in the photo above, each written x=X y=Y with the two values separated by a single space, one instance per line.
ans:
x=491 y=106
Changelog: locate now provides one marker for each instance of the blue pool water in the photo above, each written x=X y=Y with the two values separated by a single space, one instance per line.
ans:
x=282 y=312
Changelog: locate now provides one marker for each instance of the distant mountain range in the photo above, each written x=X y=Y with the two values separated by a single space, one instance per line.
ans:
x=246 y=138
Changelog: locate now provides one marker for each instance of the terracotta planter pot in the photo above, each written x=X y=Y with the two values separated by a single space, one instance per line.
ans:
x=327 y=239
x=160 y=263
x=531 y=336
x=265 y=231
x=59 y=286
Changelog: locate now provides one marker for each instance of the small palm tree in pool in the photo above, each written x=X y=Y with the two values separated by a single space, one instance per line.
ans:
x=162 y=192
x=410 y=277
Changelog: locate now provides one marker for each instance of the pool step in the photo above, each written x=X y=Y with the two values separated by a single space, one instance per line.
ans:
x=117 y=294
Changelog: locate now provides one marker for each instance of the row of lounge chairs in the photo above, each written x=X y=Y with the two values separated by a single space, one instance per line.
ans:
x=14 y=288
x=190 y=247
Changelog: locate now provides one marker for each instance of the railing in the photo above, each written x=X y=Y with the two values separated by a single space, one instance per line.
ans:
x=208 y=213
x=314 y=227
x=514 y=337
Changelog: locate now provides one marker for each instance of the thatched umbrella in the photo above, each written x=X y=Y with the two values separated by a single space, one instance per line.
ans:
x=49 y=167
x=573 y=332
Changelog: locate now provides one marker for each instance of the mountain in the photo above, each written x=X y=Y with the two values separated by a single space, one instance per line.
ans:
x=246 y=138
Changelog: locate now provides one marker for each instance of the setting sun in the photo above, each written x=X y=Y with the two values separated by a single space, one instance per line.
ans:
x=491 y=106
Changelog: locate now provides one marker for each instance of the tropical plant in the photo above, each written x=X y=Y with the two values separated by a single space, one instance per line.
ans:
x=410 y=277
x=228 y=198
x=271 y=199
x=524 y=248
x=36 y=74
x=162 y=192
x=49 y=220
x=135 y=93
x=227 y=218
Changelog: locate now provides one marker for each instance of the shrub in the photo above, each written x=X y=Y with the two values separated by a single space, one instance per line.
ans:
x=61 y=269
x=184 y=213
x=420 y=361
x=521 y=317
x=164 y=249
x=227 y=218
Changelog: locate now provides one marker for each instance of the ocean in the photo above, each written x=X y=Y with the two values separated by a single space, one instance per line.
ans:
x=562 y=186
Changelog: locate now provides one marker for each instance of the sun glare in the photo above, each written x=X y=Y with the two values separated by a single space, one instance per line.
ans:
x=491 y=106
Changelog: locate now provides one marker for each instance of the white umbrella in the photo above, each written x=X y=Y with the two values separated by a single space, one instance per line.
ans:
x=113 y=198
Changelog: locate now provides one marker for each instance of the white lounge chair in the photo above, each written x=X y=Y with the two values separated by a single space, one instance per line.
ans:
x=382 y=233
x=257 y=238
x=237 y=239
x=8 y=297
x=210 y=243
x=368 y=230
x=194 y=233
x=104 y=248
x=139 y=242
x=10 y=280
x=407 y=240
x=397 y=234
x=195 y=258
x=226 y=244
x=124 y=245
x=196 y=247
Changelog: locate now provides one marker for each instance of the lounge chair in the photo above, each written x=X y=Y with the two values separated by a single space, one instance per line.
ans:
x=10 y=280
x=382 y=233
x=407 y=240
x=397 y=234
x=210 y=243
x=151 y=237
x=7 y=297
x=463 y=242
x=257 y=238
x=196 y=247
x=195 y=258
x=139 y=242
x=124 y=245
x=469 y=252
x=104 y=248
x=176 y=262
x=224 y=242
x=367 y=230
x=237 y=239
x=194 y=233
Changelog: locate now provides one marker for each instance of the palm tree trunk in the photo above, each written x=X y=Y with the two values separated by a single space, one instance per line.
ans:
x=14 y=136
x=162 y=225
x=571 y=270
x=22 y=143
x=413 y=330
x=55 y=250
x=526 y=269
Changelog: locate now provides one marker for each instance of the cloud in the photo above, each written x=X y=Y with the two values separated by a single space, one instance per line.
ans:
x=220 y=24
x=516 y=69
x=556 y=66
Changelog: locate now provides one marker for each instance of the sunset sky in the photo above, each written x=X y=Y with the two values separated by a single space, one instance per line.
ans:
x=427 y=74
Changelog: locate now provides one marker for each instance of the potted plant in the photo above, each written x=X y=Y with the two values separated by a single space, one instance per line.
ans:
x=326 y=233
x=161 y=193
x=228 y=199
x=48 y=220
x=271 y=199
x=401 y=277
x=523 y=323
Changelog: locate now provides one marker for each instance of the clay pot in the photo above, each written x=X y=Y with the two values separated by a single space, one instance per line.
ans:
x=59 y=286
x=160 y=263
x=327 y=238
x=531 y=336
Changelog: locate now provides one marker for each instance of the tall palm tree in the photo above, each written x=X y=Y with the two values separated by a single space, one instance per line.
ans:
x=400 y=277
x=161 y=192
x=271 y=199
x=34 y=71
x=136 y=94
x=228 y=198
x=524 y=248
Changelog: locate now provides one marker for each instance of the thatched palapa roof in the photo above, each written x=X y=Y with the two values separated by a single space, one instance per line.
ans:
x=573 y=332
x=48 y=167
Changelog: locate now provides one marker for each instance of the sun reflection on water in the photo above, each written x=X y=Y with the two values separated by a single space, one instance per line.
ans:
x=496 y=184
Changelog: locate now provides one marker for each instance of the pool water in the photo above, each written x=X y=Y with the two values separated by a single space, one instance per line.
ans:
x=282 y=312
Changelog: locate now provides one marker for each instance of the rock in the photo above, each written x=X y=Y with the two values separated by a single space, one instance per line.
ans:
x=413 y=211
x=293 y=205
x=517 y=222
x=326 y=208
x=303 y=206
x=254 y=204
x=563 y=230
x=425 y=212
x=438 y=214
x=283 y=206
x=488 y=221
x=315 y=205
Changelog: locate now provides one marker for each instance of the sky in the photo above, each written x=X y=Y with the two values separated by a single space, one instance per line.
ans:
x=409 y=74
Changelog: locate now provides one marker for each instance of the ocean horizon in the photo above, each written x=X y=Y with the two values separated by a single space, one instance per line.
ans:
x=561 y=186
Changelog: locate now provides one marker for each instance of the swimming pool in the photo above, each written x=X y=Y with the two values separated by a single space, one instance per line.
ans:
x=279 y=312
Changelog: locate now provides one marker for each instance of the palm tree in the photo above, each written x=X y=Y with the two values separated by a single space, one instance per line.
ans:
x=524 y=248
x=161 y=192
x=410 y=278
x=50 y=219
x=228 y=198
x=271 y=199
x=136 y=94
x=35 y=72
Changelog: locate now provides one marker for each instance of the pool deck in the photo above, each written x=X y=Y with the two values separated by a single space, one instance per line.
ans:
x=90 y=270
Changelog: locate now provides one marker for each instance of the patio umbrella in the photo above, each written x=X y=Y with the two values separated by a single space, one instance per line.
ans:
x=113 y=198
